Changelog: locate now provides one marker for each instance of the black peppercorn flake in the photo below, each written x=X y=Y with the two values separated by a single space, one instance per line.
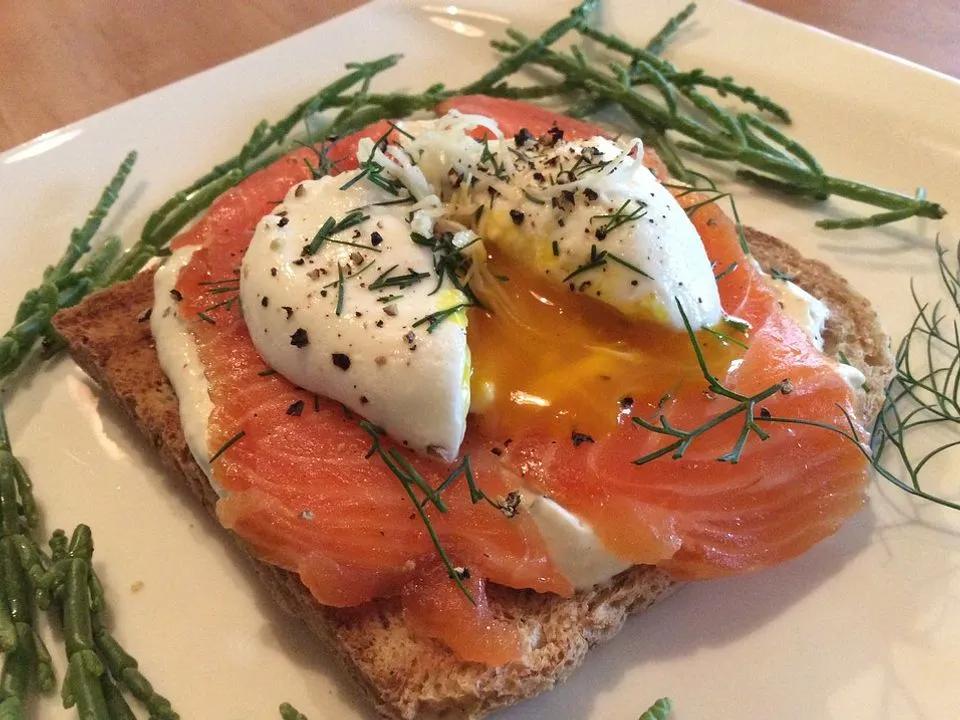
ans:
x=579 y=438
x=299 y=338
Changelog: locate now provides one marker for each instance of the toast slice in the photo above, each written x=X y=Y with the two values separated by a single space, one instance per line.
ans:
x=403 y=675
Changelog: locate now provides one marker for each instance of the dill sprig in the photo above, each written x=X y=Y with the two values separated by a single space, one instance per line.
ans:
x=925 y=391
x=924 y=394
x=744 y=408
x=409 y=478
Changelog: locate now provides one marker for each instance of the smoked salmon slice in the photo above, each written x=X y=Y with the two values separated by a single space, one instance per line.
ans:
x=301 y=490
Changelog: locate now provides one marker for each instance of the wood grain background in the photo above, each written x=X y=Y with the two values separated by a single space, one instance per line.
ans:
x=61 y=60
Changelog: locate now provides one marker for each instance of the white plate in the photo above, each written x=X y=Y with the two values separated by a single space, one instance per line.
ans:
x=866 y=625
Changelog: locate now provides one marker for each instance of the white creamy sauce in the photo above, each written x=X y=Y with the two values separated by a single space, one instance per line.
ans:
x=572 y=544
x=851 y=375
x=811 y=314
x=177 y=352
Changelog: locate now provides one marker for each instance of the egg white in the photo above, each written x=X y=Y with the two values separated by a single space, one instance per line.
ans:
x=412 y=382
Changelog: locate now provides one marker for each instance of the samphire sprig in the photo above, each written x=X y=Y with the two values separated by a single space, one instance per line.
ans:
x=99 y=670
x=27 y=666
x=63 y=284
x=660 y=710
x=770 y=157
x=266 y=144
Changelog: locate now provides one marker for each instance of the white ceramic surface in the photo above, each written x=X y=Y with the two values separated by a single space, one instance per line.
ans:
x=866 y=625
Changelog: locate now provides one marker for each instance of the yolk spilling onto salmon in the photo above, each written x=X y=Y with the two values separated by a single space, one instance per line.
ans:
x=549 y=361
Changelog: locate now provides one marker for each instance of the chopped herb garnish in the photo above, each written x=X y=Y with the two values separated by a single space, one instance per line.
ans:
x=400 y=281
x=726 y=271
x=340 y=289
x=532 y=198
x=226 y=446
x=354 y=244
x=331 y=227
x=596 y=260
x=434 y=319
x=778 y=274
x=358 y=273
x=296 y=408
x=630 y=266
x=621 y=216
x=373 y=171
x=724 y=338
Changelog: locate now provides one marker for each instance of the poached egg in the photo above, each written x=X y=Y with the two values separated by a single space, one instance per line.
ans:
x=357 y=286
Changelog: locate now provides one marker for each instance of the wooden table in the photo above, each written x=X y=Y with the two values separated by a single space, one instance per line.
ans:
x=61 y=60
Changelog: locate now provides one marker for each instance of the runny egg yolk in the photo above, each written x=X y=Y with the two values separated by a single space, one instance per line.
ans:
x=550 y=361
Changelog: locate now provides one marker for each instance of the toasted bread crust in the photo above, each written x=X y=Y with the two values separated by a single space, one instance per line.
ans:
x=406 y=676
